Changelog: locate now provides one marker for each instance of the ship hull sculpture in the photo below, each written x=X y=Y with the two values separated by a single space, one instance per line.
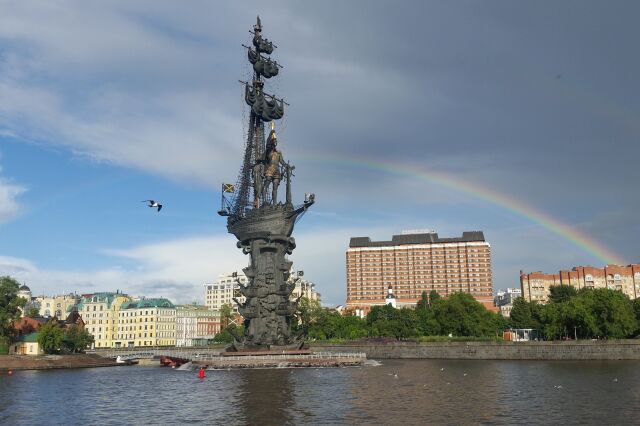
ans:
x=262 y=224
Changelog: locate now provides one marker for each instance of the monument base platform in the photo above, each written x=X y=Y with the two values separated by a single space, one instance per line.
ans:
x=268 y=352
x=280 y=360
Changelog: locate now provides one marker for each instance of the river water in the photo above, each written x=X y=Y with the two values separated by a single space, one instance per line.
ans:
x=403 y=392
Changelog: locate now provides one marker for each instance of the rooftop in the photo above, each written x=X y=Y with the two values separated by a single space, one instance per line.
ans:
x=405 y=239
x=148 y=303
x=29 y=338
x=103 y=297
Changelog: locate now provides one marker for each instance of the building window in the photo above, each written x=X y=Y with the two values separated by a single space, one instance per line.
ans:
x=588 y=277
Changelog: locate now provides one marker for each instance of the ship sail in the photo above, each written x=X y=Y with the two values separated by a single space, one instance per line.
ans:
x=266 y=109
x=263 y=66
x=262 y=45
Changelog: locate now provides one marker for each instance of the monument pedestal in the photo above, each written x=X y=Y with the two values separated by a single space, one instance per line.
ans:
x=293 y=359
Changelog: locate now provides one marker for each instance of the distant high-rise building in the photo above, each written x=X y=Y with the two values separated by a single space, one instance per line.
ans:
x=535 y=285
x=224 y=290
x=413 y=263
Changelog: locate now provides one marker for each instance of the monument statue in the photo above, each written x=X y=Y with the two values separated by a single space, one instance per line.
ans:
x=262 y=224
x=273 y=162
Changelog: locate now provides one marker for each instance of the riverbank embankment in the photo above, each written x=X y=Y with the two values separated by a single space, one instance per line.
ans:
x=555 y=350
x=46 y=362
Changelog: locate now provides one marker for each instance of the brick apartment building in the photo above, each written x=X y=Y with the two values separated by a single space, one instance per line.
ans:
x=413 y=263
x=535 y=285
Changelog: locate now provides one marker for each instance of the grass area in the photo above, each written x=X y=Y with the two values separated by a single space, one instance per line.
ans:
x=420 y=339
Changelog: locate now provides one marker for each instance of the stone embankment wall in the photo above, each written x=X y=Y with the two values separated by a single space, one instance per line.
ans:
x=46 y=362
x=565 y=350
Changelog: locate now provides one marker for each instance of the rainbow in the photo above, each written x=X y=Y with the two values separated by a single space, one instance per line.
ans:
x=517 y=207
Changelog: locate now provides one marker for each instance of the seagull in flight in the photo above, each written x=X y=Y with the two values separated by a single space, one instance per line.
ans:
x=153 y=203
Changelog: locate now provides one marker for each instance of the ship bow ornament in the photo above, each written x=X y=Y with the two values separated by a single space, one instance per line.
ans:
x=261 y=221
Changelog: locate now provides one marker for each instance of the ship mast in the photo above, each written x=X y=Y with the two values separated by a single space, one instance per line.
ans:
x=249 y=190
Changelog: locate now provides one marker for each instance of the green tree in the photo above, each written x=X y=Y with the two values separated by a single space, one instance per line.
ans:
x=229 y=334
x=590 y=313
x=50 y=337
x=433 y=297
x=636 y=310
x=525 y=314
x=423 y=303
x=329 y=324
x=352 y=327
x=427 y=324
x=226 y=315
x=387 y=321
x=75 y=340
x=10 y=305
x=462 y=315
x=551 y=323
x=307 y=312
x=31 y=312
x=613 y=312
x=561 y=293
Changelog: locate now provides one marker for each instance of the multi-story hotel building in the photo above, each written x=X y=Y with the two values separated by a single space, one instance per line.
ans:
x=146 y=322
x=227 y=288
x=535 y=285
x=196 y=325
x=413 y=263
x=100 y=313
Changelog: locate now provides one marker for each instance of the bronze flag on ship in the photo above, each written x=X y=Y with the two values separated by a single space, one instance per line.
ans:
x=227 y=187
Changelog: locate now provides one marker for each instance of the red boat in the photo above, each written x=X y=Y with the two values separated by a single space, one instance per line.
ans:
x=169 y=361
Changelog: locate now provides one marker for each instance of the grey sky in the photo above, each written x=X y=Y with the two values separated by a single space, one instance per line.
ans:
x=536 y=100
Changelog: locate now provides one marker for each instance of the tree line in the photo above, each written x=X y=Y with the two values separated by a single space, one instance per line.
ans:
x=570 y=314
x=582 y=314
x=459 y=315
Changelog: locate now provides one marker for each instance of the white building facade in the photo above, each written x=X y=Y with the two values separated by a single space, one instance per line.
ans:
x=57 y=306
x=227 y=288
x=196 y=325
x=504 y=300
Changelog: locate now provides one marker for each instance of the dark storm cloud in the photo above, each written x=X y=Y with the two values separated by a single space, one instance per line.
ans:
x=533 y=85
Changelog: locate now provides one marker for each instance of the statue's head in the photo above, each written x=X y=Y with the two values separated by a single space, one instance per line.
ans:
x=272 y=140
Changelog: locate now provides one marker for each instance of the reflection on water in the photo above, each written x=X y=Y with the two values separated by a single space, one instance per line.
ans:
x=397 y=392
x=269 y=389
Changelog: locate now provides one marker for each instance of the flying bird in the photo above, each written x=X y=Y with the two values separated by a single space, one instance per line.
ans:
x=153 y=203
